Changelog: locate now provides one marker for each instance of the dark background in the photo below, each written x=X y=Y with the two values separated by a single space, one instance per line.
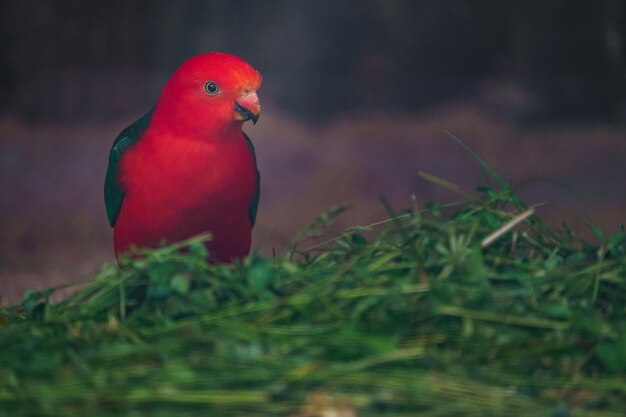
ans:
x=100 y=59
x=356 y=98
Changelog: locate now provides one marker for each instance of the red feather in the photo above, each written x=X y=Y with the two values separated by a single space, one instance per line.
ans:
x=192 y=171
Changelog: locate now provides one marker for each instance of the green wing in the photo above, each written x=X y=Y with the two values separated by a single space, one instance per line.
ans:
x=254 y=205
x=113 y=191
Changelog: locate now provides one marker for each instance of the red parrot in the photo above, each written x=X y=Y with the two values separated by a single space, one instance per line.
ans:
x=187 y=167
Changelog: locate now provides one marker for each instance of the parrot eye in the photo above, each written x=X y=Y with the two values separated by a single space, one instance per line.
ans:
x=211 y=87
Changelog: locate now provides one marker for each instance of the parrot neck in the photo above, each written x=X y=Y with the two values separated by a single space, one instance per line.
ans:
x=192 y=125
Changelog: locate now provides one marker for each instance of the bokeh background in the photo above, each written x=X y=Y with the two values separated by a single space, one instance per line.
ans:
x=356 y=100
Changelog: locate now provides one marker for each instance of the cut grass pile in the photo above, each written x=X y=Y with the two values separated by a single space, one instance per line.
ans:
x=424 y=316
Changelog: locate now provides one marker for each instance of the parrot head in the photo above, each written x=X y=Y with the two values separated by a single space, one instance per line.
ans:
x=209 y=93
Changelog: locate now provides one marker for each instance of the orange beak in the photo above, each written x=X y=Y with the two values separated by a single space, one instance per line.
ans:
x=247 y=107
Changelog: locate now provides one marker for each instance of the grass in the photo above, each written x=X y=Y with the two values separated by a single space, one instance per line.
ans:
x=474 y=308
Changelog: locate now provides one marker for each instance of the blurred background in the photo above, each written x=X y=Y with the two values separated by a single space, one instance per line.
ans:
x=357 y=97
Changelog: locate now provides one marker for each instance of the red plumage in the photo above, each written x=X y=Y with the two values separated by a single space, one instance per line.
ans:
x=192 y=170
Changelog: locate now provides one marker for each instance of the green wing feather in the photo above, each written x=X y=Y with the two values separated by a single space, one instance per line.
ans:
x=113 y=191
x=254 y=205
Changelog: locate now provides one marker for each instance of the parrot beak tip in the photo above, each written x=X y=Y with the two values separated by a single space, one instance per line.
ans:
x=244 y=114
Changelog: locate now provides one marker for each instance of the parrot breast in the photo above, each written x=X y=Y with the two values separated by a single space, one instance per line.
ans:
x=177 y=188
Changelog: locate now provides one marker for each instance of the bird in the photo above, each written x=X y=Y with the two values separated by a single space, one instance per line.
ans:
x=186 y=167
